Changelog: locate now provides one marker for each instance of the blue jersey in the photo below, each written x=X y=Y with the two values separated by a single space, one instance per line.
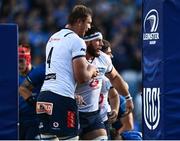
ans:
x=36 y=78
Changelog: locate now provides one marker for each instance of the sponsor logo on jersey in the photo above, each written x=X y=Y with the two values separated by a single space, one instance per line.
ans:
x=71 y=119
x=94 y=83
x=55 y=124
x=41 y=125
x=50 y=76
x=53 y=39
x=83 y=49
x=44 y=107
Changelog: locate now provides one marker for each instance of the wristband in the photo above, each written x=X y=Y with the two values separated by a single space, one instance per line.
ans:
x=128 y=97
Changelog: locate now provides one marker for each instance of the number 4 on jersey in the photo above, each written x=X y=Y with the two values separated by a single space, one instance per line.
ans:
x=49 y=57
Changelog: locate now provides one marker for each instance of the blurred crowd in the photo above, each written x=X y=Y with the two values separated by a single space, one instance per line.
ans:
x=119 y=21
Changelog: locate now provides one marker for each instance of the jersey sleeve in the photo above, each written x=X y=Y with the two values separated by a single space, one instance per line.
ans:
x=78 y=48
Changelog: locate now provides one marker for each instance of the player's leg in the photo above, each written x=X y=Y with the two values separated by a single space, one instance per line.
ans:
x=48 y=137
x=69 y=138
x=107 y=127
x=21 y=131
x=98 y=134
x=28 y=130
x=32 y=130
x=92 y=126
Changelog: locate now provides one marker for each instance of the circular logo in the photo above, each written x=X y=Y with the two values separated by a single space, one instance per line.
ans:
x=56 y=124
x=151 y=21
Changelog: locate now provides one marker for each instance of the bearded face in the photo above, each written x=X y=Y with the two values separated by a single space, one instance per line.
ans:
x=94 y=47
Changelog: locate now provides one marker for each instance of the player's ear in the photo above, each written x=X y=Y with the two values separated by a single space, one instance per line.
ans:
x=79 y=22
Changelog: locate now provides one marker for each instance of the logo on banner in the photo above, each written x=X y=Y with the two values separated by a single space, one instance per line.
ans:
x=150 y=25
x=151 y=105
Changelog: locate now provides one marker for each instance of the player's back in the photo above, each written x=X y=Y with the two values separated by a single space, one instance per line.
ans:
x=61 y=48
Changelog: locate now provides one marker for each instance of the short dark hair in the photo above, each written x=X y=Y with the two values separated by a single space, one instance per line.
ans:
x=106 y=45
x=79 y=12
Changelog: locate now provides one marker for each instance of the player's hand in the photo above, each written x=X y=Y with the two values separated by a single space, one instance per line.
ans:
x=31 y=101
x=96 y=73
x=94 y=70
x=112 y=116
x=79 y=100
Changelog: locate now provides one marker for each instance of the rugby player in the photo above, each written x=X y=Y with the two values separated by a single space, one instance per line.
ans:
x=65 y=66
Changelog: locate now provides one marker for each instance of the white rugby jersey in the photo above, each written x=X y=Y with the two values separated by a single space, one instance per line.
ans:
x=103 y=101
x=61 y=49
x=90 y=91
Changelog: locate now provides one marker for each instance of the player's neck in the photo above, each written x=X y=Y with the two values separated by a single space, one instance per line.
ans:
x=74 y=28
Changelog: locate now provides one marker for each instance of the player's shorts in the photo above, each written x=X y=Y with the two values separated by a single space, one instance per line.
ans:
x=57 y=115
x=28 y=130
x=90 y=121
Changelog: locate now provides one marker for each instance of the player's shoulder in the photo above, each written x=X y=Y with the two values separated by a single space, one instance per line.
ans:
x=67 y=33
x=77 y=41
x=72 y=36
x=64 y=33
x=104 y=57
x=69 y=37
x=75 y=38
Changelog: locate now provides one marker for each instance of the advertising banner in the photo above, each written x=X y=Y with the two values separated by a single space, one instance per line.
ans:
x=161 y=67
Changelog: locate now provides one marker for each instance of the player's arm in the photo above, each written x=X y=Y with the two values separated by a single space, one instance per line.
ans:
x=79 y=100
x=114 y=102
x=127 y=123
x=25 y=89
x=82 y=70
x=121 y=86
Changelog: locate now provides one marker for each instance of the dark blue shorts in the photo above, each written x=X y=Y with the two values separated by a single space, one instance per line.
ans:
x=57 y=114
x=28 y=130
x=90 y=121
